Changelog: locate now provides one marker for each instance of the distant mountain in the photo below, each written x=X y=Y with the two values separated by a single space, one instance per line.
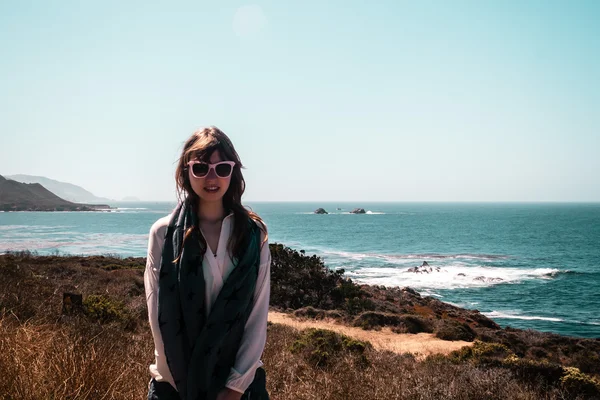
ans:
x=64 y=190
x=17 y=196
x=130 y=198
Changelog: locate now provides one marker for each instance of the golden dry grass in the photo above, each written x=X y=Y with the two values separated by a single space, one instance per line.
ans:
x=419 y=344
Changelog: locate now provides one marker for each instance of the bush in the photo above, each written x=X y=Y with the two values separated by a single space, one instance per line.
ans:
x=298 y=281
x=578 y=383
x=103 y=309
x=356 y=305
x=399 y=323
x=533 y=371
x=454 y=330
x=481 y=351
x=320 y=346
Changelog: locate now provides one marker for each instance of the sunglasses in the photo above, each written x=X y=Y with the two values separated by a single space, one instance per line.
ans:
x=200 y=169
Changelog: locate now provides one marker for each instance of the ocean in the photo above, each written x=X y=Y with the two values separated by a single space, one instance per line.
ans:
x=524 y=265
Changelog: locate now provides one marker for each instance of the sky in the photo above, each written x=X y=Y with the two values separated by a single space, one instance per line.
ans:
x=324 y=101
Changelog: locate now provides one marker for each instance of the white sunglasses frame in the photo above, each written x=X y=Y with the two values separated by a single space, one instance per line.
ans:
x=210 y=166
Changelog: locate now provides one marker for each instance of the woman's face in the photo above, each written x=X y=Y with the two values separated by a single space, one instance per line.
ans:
x=211 y=187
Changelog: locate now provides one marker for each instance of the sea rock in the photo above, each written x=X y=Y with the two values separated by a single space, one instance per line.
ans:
x=484 y=279
x=461 y=274
x=358 y=211
x=424 y=268
x=321 y=211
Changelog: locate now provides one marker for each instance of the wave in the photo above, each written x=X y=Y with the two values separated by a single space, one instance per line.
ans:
x=514 y=315
x=409 y=258
x=34 y=227
x=508 y=315
x=453 y=276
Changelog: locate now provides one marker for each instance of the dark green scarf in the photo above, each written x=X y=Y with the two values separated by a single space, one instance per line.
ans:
x=200 y=350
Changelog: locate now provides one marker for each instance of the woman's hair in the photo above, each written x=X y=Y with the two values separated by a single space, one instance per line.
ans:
x=200 y=146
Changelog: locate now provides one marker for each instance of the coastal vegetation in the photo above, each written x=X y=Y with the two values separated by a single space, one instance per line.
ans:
x=102 y=347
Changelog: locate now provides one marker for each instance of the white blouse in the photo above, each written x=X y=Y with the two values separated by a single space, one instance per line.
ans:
x=216 y=270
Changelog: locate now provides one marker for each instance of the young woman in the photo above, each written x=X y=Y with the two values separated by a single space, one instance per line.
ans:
x=207 y=281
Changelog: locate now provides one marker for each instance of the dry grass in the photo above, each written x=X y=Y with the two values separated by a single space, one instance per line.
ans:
x=419 y=344
x=46 y=355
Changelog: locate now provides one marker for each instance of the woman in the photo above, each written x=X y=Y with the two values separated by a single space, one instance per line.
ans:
x=207 y=281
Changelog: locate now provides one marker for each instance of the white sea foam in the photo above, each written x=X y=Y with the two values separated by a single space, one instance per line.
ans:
x=453 y=276
x=512 y=315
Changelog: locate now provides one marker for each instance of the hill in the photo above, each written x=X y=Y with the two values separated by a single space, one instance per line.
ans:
x=17 y=196
x=64 y=190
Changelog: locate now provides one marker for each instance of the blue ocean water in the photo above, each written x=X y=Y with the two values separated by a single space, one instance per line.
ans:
x=524 y=265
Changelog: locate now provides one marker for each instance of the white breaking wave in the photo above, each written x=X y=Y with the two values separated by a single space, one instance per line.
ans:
x=507 y=315
x=453 y=276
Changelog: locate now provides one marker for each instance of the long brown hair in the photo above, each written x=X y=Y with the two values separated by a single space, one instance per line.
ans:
x=200 y=146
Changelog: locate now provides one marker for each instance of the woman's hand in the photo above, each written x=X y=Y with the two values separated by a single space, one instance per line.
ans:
x=229 y=394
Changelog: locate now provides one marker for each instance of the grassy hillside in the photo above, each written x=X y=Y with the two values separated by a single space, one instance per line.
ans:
x=104 y=350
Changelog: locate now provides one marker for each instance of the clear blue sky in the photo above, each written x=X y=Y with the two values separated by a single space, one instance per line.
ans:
x=337 y=100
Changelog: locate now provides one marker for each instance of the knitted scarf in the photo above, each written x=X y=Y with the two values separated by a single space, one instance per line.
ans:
x=200 y=349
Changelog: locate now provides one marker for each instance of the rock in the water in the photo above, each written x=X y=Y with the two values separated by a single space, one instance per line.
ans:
x=461 y=274
x=358 y=211
x=321 y=211
x=484 y=279
x=424 y=268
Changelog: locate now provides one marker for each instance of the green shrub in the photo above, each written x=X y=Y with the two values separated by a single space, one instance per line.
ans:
x=298 y=280
x=454 y=330
x=399 y=323
x=321 y=346
x=481 y=351
x=578 y=383
x=103 y=309
x=532 y=371
x=356 y=305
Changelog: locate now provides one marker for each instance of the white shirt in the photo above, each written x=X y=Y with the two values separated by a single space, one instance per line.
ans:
x=216 y=270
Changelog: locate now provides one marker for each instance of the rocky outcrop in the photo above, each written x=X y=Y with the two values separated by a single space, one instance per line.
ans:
x=321 y=211
x=424 y=268
x=358 y=211
x=485 y=279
